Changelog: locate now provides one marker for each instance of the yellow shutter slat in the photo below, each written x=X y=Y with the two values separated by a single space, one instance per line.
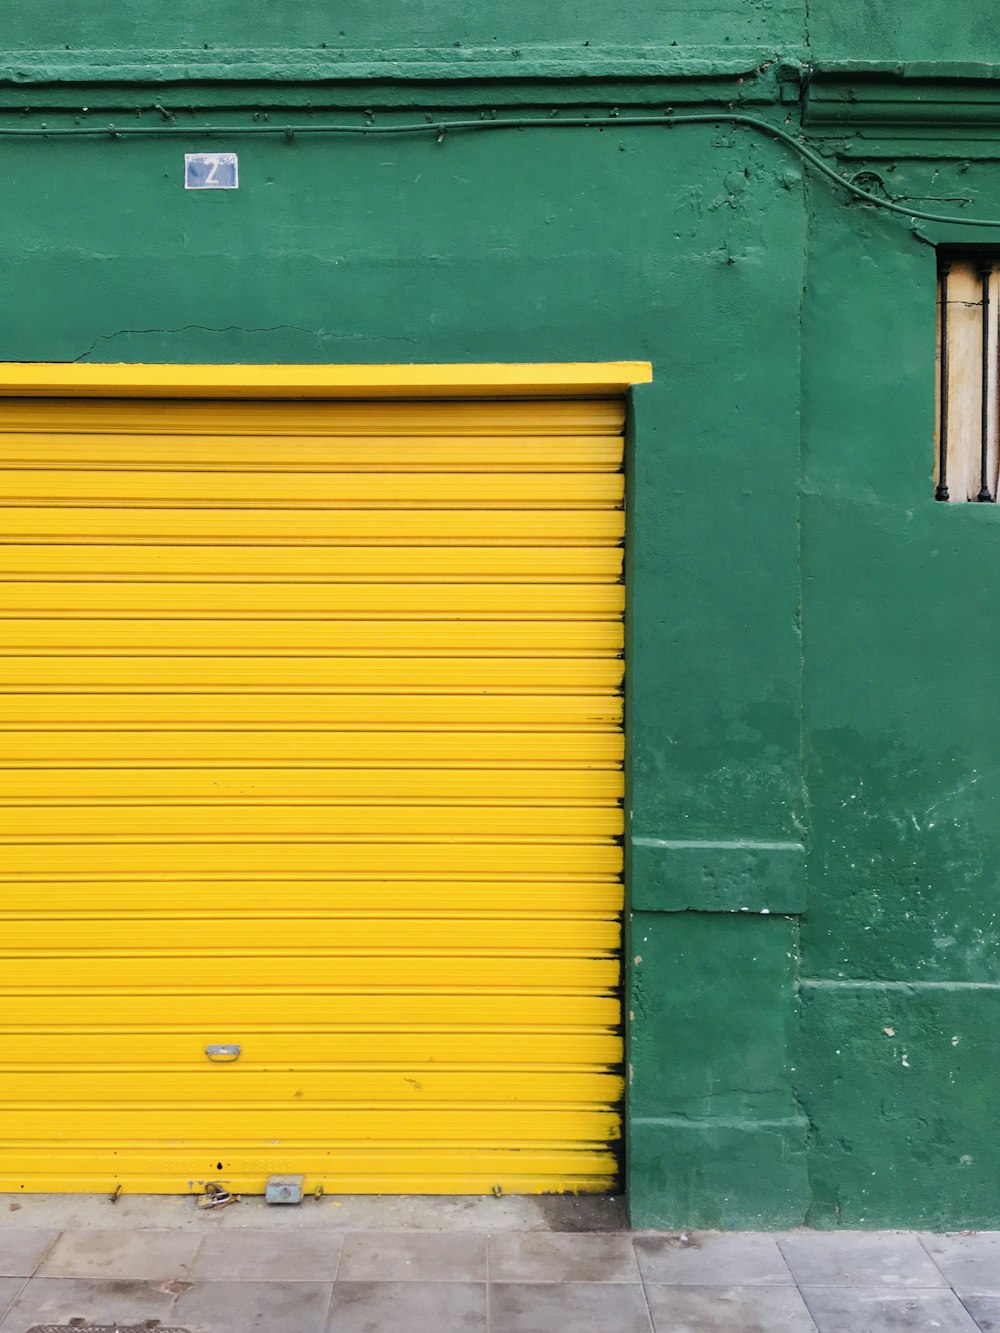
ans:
x=508 y=675
x=294 y=1123
x=198 y=899
x=152 y=749
x=450 y=1050
x=351 y=786
x=206 y=454
x=96 y=636
x=377 y=562
x=292 y=822
x=261 y=526
x=293 y=601
x=313 y=490
x=332 y=933
x=236 y=709
x=515 y=857
x=316 y=1010
x=453 y=970
x=468 y=421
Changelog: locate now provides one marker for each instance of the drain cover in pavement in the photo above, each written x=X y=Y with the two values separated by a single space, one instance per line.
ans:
x=77 y=1326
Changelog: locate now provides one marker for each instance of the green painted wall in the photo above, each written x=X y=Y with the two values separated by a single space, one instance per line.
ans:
x=886 y=31
x=812 y=944
x=399 y=23
x=900 y=961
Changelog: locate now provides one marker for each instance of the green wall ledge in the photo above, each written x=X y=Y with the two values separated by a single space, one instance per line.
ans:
x=314 y=78
x=897 y=102
x=739 y=875
x=316 y=63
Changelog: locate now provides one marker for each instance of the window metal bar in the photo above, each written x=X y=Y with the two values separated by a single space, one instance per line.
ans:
x=984 y=496
x=941 y=491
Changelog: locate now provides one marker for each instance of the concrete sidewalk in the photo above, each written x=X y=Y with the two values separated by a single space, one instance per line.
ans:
x=472 y=1266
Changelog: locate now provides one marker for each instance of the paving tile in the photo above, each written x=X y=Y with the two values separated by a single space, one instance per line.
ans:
x=416 y=1307
x=268 y=1256
x=579 y=1307
x=540 y=1256
x=20 y=1251
x=413 y=1256
x=10 y=1287
x=985 y=1310
x=155 y=1256
x=859 y=1259
x=53 y=1300
x=253 y=1307
x=969 y=1263
x=716 y=1259
x=876 y=1310
x=706 y=1309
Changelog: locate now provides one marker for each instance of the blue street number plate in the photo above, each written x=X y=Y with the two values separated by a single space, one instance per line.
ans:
x=211 y=171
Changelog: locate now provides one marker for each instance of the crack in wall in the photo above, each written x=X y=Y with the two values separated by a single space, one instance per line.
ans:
x=186 y=328
x=322 y=337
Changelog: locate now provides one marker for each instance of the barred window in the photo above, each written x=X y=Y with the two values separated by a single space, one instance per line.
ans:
x=967 y=439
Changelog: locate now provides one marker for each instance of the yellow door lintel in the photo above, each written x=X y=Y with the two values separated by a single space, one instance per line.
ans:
x=571 y=379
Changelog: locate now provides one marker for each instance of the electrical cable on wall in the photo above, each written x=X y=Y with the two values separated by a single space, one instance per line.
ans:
x=440 y=128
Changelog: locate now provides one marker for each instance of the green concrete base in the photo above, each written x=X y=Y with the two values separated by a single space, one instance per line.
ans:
x=727 y=1177
x=873 y=1062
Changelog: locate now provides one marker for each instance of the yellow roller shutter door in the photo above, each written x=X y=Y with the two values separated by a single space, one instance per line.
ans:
x=312 y=746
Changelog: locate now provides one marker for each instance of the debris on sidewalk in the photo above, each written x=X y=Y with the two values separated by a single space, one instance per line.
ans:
x=216 y=1197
